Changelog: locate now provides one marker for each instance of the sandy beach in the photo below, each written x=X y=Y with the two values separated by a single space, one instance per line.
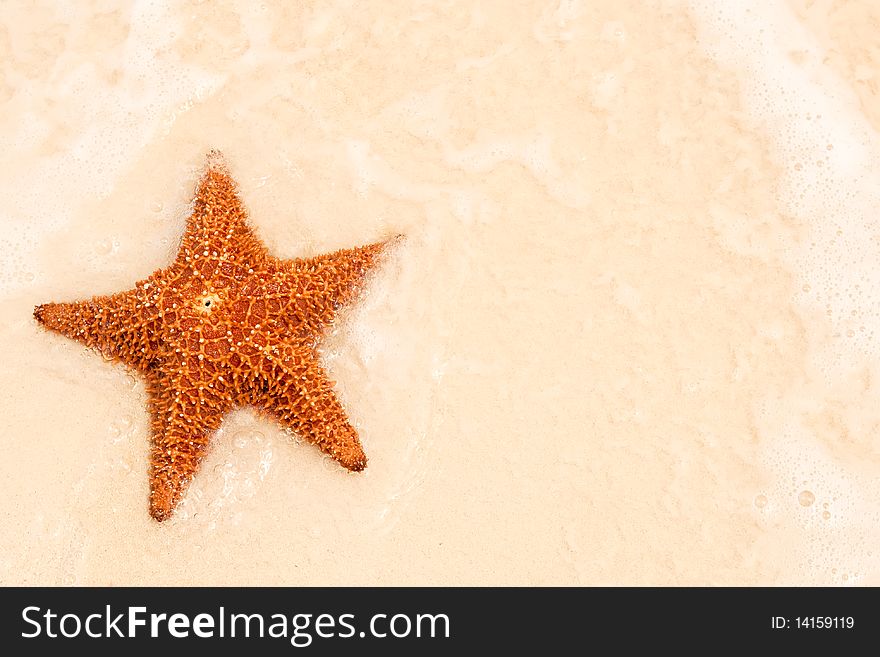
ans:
x=632 y=335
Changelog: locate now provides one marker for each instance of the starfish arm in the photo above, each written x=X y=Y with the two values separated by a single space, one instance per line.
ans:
x=186 y=408
x=118 y=326
x=218 y=228
x=315 y=288
x=299 y=394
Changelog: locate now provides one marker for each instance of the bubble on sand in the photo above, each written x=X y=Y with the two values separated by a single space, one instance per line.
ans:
x=806 y=498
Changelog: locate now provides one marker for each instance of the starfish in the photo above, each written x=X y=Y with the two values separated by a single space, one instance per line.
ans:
x=225 y=325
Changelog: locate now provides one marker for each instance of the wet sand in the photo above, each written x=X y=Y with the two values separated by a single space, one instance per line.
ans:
x=631 y=337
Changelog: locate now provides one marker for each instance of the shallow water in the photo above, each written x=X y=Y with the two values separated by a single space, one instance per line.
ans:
x=631 y=337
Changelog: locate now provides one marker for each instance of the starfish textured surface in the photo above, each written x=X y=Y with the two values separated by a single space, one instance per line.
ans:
x=225 y=325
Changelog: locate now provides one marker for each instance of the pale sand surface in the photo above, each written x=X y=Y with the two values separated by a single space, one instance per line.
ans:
x=632 y=336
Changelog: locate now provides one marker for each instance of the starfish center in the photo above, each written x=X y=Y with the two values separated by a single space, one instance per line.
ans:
x=207 y=303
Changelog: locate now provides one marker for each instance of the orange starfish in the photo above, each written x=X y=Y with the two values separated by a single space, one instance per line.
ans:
x=225 y=325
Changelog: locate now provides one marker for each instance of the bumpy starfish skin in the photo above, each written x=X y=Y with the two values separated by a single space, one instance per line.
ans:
x=225 y=325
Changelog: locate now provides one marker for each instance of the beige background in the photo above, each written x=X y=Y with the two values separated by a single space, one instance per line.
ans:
x=631 y=338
